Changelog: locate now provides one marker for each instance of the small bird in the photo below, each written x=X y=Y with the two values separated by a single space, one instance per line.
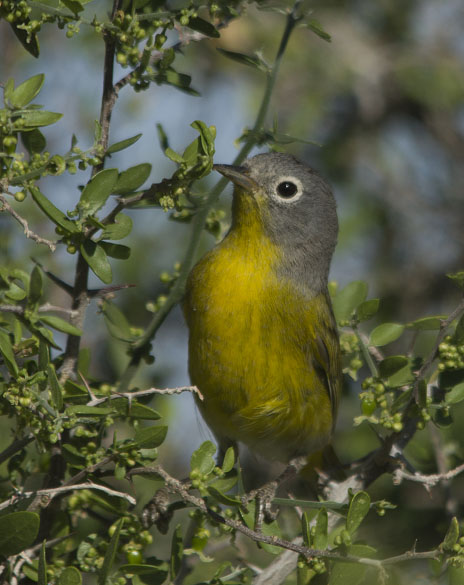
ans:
x=263 y=343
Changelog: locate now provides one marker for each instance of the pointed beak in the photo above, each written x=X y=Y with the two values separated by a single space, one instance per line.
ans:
x=238 y=176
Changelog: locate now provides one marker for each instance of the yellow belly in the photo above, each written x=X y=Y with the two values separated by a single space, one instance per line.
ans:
x=250 y=353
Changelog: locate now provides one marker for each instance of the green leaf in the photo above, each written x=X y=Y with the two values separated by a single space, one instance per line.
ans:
x=134 y=409
x=115 y=320
x=73 y=5
x=179 y=80
x=73 y=456
x=352 y=573
x=174 y=156
x=118 y=230
x=225 y=484
x=359 y=507
x=177 y=552
x=386 y=333
x=392 y=364
x=202 y=459
x=52 y=212
x=250 y=60
x=402 y=377
x=147 y=438
x=96 y=258
x=18 y=531
x=116 y=250
x=70 y=576
x=42 y=567
x=55 y=388
x=350 y=297
x=110 y=554
x=306 y=529
x=131 y=179
x=26 y=91
x=455 y=395
x=367 y=309
x=204 y=27
x=223 y=498
x=35 y=286
x=60 y=325
x=229 y=460
x=458 y=336
x=321 y=536
x=316 y=27
x=37 y=118
x=8 y=355
x=34 y=141
x=44 y=355
x=97 y=191
x=207 y=136
x=452 y=535
x=158 y=572
x=84 y=410
x=163 y=137
x=427 y=323
x=123 y=144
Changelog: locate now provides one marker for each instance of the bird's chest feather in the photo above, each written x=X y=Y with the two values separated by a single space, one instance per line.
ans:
x=247 y=327
x=249 y=349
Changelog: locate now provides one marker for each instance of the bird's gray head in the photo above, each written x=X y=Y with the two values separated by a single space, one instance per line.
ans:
x=293 y=206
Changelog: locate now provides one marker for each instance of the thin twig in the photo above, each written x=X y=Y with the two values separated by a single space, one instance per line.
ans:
x=27 y=231
x=148 y=392
x=47 y=307
x=179 y=488
x=428 y=480
x=75 y=479
x=47 y=495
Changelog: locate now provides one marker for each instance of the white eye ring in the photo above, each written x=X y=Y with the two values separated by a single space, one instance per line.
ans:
x=285 y=184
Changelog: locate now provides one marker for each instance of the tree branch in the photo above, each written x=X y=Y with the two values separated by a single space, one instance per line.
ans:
x=148 y=392
x=27 y=231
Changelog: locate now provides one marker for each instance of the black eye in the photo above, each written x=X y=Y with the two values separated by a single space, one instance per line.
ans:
x=286 y=189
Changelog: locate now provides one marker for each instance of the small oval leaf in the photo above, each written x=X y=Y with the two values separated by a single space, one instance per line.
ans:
x=132 y=179
x=321 y=536
x=367 y=309
x=122 y=144
x=26 y=91
x=391 y=365
x=359 y=507
x=97 y=191
x=96 y=258
x=427 y=323
x=202 y=459
x=455 y=395
x=18 y=531
x=60 y=325
x=386 y=333
x=350 y=297
x=70 y=576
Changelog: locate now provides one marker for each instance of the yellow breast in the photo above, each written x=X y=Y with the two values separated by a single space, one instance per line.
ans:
x=250 y=350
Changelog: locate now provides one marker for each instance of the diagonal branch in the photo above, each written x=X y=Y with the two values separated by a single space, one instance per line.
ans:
x=27 y=231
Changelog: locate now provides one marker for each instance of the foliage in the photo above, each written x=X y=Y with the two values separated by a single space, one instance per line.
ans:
x=76 y=445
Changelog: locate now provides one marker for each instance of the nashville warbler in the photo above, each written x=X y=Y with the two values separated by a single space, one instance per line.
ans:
x=263 y=344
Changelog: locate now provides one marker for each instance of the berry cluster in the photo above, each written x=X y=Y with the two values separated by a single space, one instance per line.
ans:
x=451 y=355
